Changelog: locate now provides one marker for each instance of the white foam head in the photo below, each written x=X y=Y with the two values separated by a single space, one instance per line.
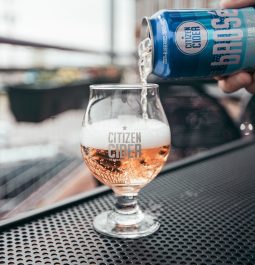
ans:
x=154 y=133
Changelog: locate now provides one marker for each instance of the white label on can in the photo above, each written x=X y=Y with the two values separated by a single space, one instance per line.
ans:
x=191 y=37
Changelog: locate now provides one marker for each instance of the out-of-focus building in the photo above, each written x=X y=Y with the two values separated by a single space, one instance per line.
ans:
x=147 y=8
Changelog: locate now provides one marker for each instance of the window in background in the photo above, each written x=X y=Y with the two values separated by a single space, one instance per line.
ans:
x=124 y=31
x=77 y=24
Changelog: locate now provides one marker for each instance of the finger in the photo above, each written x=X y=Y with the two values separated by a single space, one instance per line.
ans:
x=251 y=88
x=235 y=82
x=218 y=78
x=236 y=3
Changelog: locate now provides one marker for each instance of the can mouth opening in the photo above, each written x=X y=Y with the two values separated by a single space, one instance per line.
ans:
x=145 y=32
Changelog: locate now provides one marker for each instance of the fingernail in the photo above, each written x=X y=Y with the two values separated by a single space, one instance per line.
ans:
x=225 y=3
x=222 y=3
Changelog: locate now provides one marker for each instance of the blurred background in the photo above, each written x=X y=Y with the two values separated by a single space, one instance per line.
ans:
x=50 y=52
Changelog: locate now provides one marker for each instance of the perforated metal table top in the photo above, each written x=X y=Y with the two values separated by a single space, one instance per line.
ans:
x=206 y=210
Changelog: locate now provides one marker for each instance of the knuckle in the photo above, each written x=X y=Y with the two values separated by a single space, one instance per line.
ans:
x=225 y=86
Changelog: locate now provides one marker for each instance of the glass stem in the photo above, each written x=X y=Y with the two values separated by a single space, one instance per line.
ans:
x=126 y=204
x=126 y=212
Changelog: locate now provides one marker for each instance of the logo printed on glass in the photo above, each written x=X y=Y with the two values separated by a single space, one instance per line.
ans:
x=124 y=144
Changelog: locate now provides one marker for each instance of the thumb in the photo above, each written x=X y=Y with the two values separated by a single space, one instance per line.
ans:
x=236 y=3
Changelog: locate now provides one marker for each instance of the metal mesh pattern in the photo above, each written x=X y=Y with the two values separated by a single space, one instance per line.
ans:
x=206 y=212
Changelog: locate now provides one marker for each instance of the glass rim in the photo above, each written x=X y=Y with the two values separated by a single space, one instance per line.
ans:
x=123 y=86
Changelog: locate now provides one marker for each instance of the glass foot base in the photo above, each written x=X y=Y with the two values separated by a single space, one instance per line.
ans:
x=104 y=223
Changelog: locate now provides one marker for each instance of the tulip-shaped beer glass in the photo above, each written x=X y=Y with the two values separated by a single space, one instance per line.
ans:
x=125 y=150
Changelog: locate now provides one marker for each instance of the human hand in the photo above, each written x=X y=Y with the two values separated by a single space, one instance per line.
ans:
x=242 y=79
x=236 y=3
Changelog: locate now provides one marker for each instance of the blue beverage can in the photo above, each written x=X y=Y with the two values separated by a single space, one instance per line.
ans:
x=201 y=43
